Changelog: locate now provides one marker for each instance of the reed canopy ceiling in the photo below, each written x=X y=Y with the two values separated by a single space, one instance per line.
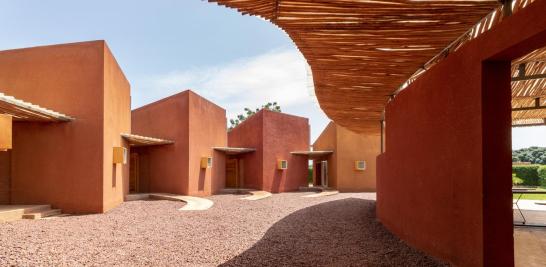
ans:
x=362 y=51
x=529 y=89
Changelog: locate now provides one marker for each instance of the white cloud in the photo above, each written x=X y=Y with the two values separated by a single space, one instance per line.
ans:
x=279 y=75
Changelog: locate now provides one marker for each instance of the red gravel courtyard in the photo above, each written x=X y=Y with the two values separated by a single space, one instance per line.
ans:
x=283 y=230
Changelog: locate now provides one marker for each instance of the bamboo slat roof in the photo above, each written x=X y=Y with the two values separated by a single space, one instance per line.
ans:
x=25 y=111
x=362 y=51
x=315 y=154
x=529 y=89
x=139 y=140
x=234 y=150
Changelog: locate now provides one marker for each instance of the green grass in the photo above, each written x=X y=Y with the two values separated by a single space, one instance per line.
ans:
x=533 y=196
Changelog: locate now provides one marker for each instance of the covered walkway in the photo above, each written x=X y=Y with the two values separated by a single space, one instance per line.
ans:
x=440 y=78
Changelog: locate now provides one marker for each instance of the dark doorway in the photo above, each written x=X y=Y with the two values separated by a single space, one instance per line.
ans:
x=318 y=173
x=5 y=177
x=134 y=173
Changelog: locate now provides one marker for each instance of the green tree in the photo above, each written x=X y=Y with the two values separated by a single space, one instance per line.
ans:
x=542 y=175
x=273 y=106
x=535 y=155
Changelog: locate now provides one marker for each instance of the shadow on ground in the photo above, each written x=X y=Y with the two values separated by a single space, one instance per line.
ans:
x=336 y=233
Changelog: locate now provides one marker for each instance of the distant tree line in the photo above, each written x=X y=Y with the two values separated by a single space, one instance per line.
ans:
x=534 y=154
x=273 y=106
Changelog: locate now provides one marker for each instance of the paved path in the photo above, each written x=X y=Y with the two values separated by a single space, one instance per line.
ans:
x=257 y=195
x=324 y=193
x=526 y=204
x=530 y=246
x=192 y=203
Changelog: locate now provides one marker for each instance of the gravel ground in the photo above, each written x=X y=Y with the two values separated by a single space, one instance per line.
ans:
x=283 y=230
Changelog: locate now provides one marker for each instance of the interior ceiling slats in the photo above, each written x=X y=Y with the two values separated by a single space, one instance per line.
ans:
x=525 y=93
x=362 y=51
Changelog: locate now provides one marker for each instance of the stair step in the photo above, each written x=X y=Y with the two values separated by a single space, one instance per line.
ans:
x=37 y=208
x=42 y=214
x=236 y=191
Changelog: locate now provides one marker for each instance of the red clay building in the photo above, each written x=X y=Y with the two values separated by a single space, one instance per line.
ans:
x=447 y=163
x=65 y=161
x=259 y=145
x=195 y=125
x=345 y=160
x=80 y=162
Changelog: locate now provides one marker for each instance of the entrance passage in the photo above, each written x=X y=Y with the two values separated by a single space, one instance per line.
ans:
x=234 y=164
x=320 y=164
x=139 y=164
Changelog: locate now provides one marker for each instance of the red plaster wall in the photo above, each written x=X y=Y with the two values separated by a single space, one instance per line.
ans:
x=167 y=165
x=444 y=181
x=60 y=163
x=208 y=129
x=283 y=134
x=117 y=120
x=274 y=135
x=351 y=147
x=196 y=125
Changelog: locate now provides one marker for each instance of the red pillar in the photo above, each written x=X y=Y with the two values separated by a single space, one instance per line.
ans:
x=498 y=238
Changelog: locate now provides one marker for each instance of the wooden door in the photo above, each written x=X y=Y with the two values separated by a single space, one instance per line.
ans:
x=134 y=173
x=232 y=173
x=5 y=177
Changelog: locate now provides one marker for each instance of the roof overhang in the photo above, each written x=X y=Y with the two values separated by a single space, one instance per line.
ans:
x=361 y=52
x=234 y=150
x=25 y=111
x=313 y=154
x=139 y=140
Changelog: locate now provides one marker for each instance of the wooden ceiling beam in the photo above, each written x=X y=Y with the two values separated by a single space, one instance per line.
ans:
x=543 y=123
x=528 y=77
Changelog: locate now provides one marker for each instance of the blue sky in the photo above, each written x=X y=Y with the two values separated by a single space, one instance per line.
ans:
x=166 y=46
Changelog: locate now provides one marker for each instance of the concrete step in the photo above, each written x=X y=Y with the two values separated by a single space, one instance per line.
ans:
x=315 y=189
x=37 y=208
x=137 y=196
x=42 y=214
x=16 y=212
x=236 y=191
